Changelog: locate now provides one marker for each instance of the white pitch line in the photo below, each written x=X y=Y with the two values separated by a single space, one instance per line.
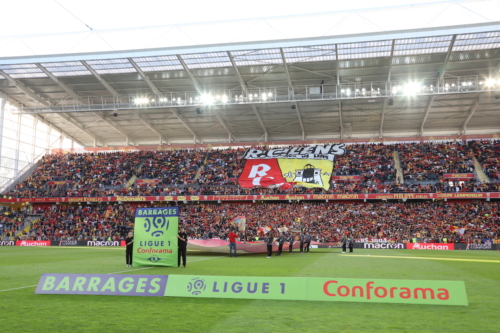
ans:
x=17 y=288
x=131 y=270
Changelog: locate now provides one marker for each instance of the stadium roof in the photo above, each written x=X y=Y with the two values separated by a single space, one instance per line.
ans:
x=439 y=80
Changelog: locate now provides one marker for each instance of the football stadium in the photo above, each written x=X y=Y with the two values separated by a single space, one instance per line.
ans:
x=207 y=166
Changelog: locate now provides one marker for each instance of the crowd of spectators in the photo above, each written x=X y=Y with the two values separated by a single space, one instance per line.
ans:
x=373 y=162
x=215 y=172
x=327 y=222
x=429 y=161
x=222 y=167
x=487 y=153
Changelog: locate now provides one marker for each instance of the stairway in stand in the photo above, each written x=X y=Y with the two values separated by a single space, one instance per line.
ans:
x=397 y=165
x=479 y=171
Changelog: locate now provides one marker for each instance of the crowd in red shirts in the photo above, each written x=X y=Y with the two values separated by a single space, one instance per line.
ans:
x=215 y=171
x=429 y=161
x=327 y=222
x=487 y=153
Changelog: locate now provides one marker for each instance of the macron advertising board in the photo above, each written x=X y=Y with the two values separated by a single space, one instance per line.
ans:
x=252 y=287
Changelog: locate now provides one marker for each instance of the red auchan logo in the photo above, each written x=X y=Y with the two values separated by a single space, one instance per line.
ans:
x=32 y=243
x=430 y=246
x=369 y=291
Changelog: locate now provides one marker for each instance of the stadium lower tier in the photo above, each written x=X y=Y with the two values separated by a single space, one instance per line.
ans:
x=390 y=221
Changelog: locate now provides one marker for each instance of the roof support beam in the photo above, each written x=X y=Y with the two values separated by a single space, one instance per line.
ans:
x=244 y=87
x=469 y=116
x=40 y=100
x=240 y=78
x=341 y=121
x=116 y=95
x=447 y=58
x=25 y=90
x=75 y=96
x=181 y=119
x=290 y=88
x=186 y=68
x=145 y=77
x=390 y=64
x=149 y=125
x=381 y=130
x=201 y=92
x=337 y=63
x=104 y=83
x=257 y=113
x=80 y=127
x=426 y=114
x=116 y=127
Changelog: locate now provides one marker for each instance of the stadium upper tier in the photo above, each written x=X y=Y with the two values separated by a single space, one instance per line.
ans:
x=363 y=168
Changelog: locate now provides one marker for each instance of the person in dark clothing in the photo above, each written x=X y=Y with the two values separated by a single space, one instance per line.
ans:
x=291 y=240
x=269 y=241
x=344 y=244
x=281 y=241
x=129 y=241
x=182 y=244
x=302 y=239
x=307 y=242
x=350 y=240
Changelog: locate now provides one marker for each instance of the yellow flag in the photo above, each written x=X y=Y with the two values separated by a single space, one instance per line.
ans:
x=307 y=172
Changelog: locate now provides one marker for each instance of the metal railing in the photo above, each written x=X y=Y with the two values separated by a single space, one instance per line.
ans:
x=280 y=94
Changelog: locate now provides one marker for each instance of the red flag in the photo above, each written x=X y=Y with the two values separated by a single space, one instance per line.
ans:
x=261 y=172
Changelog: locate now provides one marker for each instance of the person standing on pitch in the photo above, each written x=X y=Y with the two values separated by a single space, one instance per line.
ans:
x=302 y=239
x=350 y=240
x=344 y=244
x=182 y=244
x=269 y=241
x=130 y=247
x=232 y=243
x=291 y=240
x=281 y=241
x=307 y=242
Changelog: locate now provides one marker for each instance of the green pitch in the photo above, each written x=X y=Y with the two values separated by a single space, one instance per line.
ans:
x=23 y=311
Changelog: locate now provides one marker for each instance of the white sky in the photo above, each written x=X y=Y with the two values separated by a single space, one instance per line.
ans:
x=44 y=27
x=33 y=17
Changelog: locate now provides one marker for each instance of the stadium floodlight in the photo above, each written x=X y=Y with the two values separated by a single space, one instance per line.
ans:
x=270 y=94
x=490 y=82
x=348 y=92
x=207 y=99
x=264 y=96
x=141 y=100
x=411 y=89
x=224 y=98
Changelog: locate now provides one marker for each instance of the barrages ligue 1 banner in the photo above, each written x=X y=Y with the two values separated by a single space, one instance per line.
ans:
x=310 y=166
x=155 y=237
x=259 y=287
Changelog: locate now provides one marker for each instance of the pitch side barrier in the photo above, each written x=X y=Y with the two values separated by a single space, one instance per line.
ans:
x=377 y=246
x=258 y=197
x=418 y=246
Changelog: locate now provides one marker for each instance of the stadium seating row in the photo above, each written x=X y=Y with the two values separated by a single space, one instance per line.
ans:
x=205 y=172
x=399 y=222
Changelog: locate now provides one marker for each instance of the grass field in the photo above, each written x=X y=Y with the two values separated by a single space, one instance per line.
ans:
x=23 y=311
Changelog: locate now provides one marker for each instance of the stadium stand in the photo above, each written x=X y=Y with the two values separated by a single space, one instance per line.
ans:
x=395 y=221
x=214 y=171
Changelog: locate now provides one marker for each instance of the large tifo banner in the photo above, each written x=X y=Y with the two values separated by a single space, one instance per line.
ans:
x=310 y=166
x=253 y=287
x=155 y=237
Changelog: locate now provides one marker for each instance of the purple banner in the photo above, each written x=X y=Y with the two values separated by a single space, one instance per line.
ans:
x=102 y=284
